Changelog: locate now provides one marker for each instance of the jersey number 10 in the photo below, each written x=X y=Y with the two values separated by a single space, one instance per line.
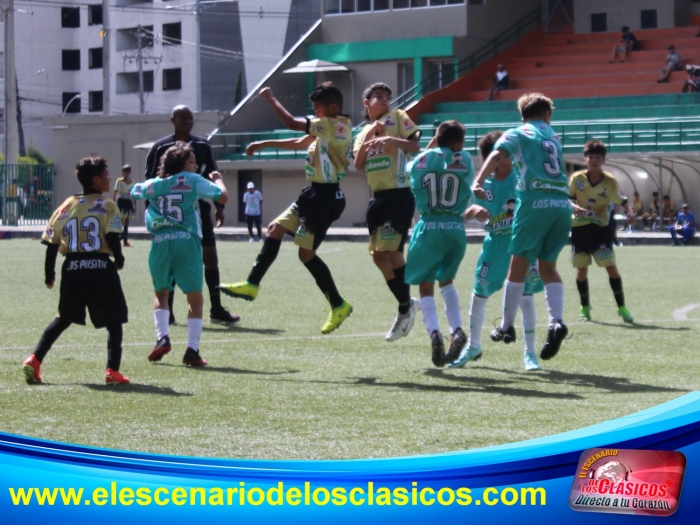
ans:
x=443 y=190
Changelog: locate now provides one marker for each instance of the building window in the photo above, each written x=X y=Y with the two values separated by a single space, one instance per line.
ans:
x=381 y=5
x=71 y=59
x=364 y=5
x=95 y=58
x=128 y=39
x=400 y=4
x=649 y=19
x=128 y=83
x=334 y=7
x=71 y=102
x=599 y=22
x=441 y=74
x=95 y=101
x=172 y=79
x=95 y=15
x=172 y=34
x=406 y=80
x=70 y=17
x=477 y=2
x=347 y=6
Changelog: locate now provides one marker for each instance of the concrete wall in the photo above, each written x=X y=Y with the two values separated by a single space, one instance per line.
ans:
x=670 y=13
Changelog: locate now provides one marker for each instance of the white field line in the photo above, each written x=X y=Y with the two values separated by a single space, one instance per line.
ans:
x=249 y=339
x=682 y=313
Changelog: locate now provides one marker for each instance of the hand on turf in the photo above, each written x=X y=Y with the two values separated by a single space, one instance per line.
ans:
x=219 y=216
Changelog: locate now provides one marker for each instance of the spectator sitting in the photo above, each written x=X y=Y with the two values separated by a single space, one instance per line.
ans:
x=627 y=43
x=692 y=83
x=637 y=206
x=501 y=81
x=668 y=210
x=673 y=63
x=654 y=210
x=685 y=226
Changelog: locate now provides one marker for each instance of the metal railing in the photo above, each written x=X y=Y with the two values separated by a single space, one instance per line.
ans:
x=509 y=37
x=26 y=194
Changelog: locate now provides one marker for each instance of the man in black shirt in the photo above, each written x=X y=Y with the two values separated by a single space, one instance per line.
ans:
x=183 y=121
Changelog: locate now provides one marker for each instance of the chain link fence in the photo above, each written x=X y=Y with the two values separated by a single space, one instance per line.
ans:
x=26 y=194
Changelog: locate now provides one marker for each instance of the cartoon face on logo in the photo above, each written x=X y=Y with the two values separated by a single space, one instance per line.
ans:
x=510 y=208
x=603 y=194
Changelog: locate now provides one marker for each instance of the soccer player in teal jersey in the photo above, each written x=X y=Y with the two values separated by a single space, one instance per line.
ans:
x=542 y=215
x=441 y=181
x=176 y=253
x=498 y=209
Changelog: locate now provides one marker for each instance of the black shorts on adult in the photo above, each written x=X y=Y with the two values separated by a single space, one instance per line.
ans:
x=319 y=206
x=125 y=205
x=208 y=237
x=589 y=238
x=91 y=281
x=396 y=207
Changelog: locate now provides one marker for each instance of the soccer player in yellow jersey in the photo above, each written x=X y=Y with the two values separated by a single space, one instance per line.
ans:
x=383 y=149
x=86 y=228
x=126 y=205
x=328 y=138
x=591 y=191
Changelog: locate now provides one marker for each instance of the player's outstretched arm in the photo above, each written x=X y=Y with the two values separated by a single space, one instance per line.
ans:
x=288 y=144
x=489 y=166
x=297 y=124
x=217 y=179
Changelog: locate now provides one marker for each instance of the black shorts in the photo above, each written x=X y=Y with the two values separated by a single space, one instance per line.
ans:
x=319 y=206
x=590 y=238
x=393 y=208
x=125 y=205
x=208 y=237
x=92 y=281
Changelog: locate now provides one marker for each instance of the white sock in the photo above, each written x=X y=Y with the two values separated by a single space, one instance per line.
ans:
x=527 y=307
x=476 y=320
x=554 y=294
x=194 y=333
x=454 y=313
x=161 y=318
x=511 y=302
x=429 y=311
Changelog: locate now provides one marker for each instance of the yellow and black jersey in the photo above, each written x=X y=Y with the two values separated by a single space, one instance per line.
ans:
x=327 y=159
x=595 y=198
x=81 y=224
x=387 y=170
x=123 y=188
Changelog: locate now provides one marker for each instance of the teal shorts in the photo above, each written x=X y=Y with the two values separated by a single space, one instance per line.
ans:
x=437 y=247
x=541 y=228
x=176 y=256
x=494 y=263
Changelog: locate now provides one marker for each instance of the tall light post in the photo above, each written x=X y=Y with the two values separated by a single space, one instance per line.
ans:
x=76 y=97
x=197 y=7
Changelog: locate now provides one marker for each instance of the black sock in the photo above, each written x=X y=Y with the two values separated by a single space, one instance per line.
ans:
x=268 y=254
x=212 y=279
x=126 y=234
x=171 y=299
x=114 y=346
x=250 y=230
x=324 y=280
x=404 y=297
x=48 y=338
x=259 y=231
x=583 y=292
x=616 y=285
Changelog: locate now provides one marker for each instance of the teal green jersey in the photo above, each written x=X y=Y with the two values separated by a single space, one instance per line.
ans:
x=537 y=159
x=441 y=181
x=174 y=207
x=500 y=203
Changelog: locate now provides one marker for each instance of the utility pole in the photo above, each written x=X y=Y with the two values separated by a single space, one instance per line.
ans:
x=9 y=119
x=139 y=59
x=198 y=59
x=106 y=54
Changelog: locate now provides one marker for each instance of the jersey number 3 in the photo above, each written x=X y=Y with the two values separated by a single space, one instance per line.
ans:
x=552 y=167
x=443 y=191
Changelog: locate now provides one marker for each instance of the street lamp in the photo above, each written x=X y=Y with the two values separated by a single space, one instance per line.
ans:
x=198 y=7
x=76 y=97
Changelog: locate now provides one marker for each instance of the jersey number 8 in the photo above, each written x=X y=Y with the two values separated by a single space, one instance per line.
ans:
x=443 y=191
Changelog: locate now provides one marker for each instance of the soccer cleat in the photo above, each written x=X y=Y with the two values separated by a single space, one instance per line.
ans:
x=162 y=347
x=192 y=358
x=32 y=370
x=127 y=244
x=623 y=312
x=466 y=355
x=404 y=322
x=498 y=334
x=251 y=240
x=555 y=336
x=336 y=317
x=585 y=313
x=243 y=290
x=112 y=377
x=222 y=316
x=530 y=362
x=457 y=343
x=438 y=345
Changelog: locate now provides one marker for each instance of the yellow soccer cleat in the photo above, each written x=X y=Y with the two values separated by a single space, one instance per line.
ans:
x=243 y=290
x=336 y=317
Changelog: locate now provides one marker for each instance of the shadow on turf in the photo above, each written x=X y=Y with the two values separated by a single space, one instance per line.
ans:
x=620 y=385
x=231 y=370
x=641 y=326
x=242 y=329
x=133 y=388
